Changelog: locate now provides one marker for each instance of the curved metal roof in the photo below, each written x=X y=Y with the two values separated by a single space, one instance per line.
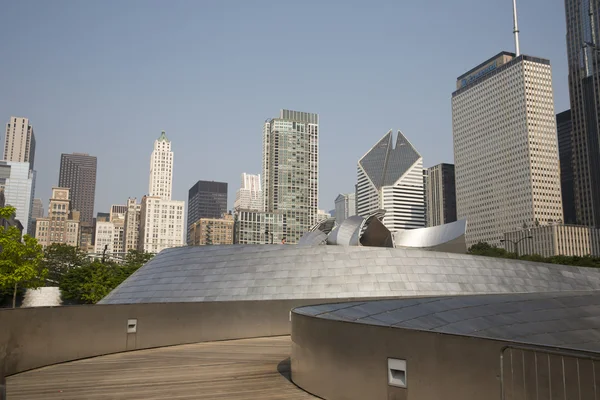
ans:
x=264 y=272
x=568 y=319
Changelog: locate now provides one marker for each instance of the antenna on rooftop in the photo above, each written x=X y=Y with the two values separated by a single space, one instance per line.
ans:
x=516 y=28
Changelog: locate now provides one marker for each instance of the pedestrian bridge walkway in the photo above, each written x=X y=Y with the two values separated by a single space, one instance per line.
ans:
x=235 y=369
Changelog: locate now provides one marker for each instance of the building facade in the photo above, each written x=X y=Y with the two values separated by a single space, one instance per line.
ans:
x=291 y=170
x=161 y=218
x=555 y=240
x=440 y=195
x=505 y=147
x=206 y=199
x=132 y=224
x=391 y=178
x=161 y=168
x=19 y=144
x=37 y=210
x=249 y=195
x=564 y=129
x=117 y=218
x=86 y=238
x=212 y=231
x=322 y=215
x=583 y=32
x=161 y=224
x=256 y=227
x=18 y=181
x=345 y=206
x=78 y=173
x=105 y=237
x=61 y=225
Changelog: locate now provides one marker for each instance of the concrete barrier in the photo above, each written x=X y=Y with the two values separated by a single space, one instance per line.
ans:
x=35 y=337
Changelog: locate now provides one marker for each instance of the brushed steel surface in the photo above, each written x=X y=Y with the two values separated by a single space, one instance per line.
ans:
x=268 y=272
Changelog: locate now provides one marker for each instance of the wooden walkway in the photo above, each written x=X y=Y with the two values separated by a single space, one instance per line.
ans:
x=236 y=369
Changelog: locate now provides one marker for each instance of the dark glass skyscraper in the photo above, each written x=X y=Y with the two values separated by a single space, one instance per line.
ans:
x=565 y=152
x=78 y=173
x=584 y=88
x=206 y=199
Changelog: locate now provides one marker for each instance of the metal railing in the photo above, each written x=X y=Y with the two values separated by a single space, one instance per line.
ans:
x=535 y=373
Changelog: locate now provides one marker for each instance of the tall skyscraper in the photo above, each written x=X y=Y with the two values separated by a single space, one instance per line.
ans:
x=132 y=224
x=161 y=168
x=18 y=181
x=391 y=178
x=38 y=209
x=440 y=195
x=206 y=199
x=505 y=147
x=161 y=219
x=249 y=195
x=564 y=129
x=345 y=206
x=291 y=170
x=19 y=145
x=78 y=173
x=61 y=225
x=583 y=43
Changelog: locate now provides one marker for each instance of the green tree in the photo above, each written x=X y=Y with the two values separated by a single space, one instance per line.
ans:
x=135 y=258
x=60 y=258
x=485 y=249
x=91 y=282
x=20 y=259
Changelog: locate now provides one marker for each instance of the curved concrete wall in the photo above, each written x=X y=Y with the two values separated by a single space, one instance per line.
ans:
x=340 y=360
x=36 y=337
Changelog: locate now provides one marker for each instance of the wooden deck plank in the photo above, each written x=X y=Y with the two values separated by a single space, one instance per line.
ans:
x=237 y=369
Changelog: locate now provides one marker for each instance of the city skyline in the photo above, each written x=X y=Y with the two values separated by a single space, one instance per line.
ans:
x=90 y=126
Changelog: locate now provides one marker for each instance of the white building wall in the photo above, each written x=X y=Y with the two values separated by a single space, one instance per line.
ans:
x=161 y=226
x=404 y=202
x=105 y=235
x=367 y=195
x=249 y=195
x=506 y=152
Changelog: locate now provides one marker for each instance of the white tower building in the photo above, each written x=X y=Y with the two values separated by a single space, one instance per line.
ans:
x=161 y=219
x=249 y=195
x=161 y=168
x=391 y=178
x=505 y=147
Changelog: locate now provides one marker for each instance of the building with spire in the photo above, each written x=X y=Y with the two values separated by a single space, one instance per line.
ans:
x=505 y=147
x=161 y=218
x=390 y=177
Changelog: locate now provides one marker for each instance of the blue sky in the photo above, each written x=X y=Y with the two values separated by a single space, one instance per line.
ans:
x=105 y=77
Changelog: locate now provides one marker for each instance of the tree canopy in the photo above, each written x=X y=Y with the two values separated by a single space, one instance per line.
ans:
x=93 y=280
x=20 y=259
x=485 y=249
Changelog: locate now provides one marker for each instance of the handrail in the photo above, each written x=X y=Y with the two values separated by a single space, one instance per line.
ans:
x=556 y=352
